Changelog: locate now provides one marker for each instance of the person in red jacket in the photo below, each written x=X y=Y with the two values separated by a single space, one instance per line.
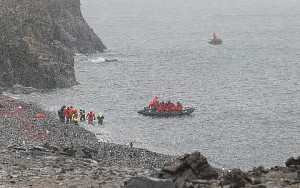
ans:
x=155 y=101
x=178 y=106
x=172 y=107
x=160 y=107
x=71 y=112
x=90 y=116
x=166 y=107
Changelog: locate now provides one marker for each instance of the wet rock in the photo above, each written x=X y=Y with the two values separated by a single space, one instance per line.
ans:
x=68 y=150
x=259 y=186
x=145 y=182
x=199 y=181
x=237 y=178
x=258 y=171
x=15 y=147
x=38 y=148
x=273 y=175
x=292 y=161
x=174 y=166
x=85 y=152
x=189 y=185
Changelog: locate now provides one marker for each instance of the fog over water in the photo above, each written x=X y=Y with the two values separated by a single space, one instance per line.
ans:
x=246 y=91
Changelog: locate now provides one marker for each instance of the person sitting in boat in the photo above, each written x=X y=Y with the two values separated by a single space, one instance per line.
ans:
x=154 y=102
x=214 y=36
x=152 y=106
x=178 y=106
x=166 y=107
x=160 y=107
x=172 y=107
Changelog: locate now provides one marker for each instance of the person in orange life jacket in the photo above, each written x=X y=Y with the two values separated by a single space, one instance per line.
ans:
x=90 y=116
x=71 y=112
x=166 y=107
x=151 y=104
x=172 y=107
x=178 y=106
x=155 y=101
x=162 y=104
x=160 y=107
x=75 y=111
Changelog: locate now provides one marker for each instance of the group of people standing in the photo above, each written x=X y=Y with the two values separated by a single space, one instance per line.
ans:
x=164 y=106
x=70 y=115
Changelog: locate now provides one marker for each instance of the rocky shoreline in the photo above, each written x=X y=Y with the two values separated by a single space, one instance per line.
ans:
x=45 y=153
x=37 y=152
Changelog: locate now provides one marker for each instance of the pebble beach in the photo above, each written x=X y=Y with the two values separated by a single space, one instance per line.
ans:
x=43 y=152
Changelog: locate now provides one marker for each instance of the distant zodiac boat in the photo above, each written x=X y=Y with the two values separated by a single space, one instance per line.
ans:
x=158 y=113
x=215 y=40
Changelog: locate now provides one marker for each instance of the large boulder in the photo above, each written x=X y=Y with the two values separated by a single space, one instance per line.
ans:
x=292 y=161
x=237 y=178
x=187 y=168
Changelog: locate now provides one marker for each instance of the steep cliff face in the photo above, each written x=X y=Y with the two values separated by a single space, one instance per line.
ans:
x=38 y=40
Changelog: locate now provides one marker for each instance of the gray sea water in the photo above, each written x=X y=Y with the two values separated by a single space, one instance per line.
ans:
x=246 y=91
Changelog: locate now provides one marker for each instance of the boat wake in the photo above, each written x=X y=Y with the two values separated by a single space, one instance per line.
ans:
x=102 y=60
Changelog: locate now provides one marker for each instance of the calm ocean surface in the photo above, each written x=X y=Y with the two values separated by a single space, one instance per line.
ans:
x=246 y=91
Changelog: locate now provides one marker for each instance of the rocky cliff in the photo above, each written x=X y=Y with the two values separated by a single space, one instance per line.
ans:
x=38 y=40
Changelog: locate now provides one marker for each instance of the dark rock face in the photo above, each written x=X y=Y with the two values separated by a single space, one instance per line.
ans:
x=38 y=40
